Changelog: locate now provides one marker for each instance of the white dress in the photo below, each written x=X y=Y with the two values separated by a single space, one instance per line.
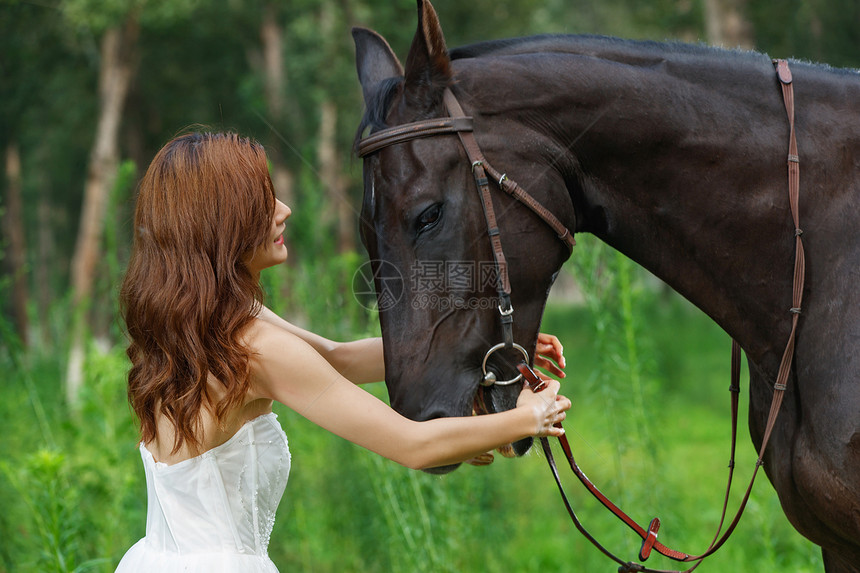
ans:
x=214 y=513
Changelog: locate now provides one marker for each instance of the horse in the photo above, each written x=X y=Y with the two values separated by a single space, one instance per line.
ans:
x=673 y=154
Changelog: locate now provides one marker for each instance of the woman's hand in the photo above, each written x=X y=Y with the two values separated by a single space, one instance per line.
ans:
x=548 y=406
x=549 y=354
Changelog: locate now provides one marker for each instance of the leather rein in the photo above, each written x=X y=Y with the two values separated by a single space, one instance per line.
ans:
x=462 y=125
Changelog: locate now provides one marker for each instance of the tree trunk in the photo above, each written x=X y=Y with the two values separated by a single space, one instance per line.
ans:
x=332 y=180
x=14 y=227
x=46 y=248
x=726 y=24
x=335 y=183
x=115 y=73
x=274 y=79
x=275 y=90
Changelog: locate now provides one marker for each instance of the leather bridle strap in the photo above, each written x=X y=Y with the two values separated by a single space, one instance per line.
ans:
x=459 y=123
x=503 y=282
x=409 y=131
x=506 y=184
x=793 y=161
x=481 y=169
x=649 y=536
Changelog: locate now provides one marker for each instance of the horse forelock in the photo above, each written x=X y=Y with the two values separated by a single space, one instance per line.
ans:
x=377 y=106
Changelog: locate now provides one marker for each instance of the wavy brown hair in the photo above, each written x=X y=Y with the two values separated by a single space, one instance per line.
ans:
x=205 y=202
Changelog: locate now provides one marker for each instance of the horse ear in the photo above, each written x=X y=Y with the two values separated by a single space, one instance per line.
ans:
x=428 y=67
x=374 y=60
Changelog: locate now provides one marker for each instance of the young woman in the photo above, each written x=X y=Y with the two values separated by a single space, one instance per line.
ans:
x=208 y=360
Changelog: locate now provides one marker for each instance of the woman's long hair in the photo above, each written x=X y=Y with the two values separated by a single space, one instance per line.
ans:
x=205 y=202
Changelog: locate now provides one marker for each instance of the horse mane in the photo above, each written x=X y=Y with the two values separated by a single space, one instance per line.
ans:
x=642 y=52
x=529 y=45
x=608 y=47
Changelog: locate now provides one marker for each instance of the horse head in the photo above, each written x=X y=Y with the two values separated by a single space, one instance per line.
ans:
x=423 y=225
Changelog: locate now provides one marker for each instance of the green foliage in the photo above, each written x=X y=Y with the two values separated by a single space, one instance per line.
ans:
x=69 y=487
x=201 y=63
x=73 y=489
x=98 y=15
x=625 y=375
x=816 y=30
x=650 y=422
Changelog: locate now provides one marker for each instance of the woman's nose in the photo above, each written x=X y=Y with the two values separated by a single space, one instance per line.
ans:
x=283 y=210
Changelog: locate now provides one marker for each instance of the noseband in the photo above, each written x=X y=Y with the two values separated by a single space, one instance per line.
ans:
x=461 y=124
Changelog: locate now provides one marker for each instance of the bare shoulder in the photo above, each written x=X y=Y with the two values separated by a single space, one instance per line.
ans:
x=269 y=343
x=261 y=334
x=280 y=360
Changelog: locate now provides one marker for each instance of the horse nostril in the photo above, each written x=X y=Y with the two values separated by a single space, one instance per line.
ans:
x=522 y=446
x=441 y=470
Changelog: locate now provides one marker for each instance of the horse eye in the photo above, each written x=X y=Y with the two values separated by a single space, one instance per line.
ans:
x=429 y=217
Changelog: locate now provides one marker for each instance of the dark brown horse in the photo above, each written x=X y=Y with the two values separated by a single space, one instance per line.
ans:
x=673 y=154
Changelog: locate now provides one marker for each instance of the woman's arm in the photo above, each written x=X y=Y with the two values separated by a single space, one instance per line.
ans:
x=289 y=370
x=359 y=361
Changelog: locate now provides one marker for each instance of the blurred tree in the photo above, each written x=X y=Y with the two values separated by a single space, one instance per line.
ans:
x=13 y=220
x=282 y=72
x=818 y=30
x=727 y=25
x=332 y=180
x=44 y=66
x=274 y=84
x=118 y=24
x=117 y=59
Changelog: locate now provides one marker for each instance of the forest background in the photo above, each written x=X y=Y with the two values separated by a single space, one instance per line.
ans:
x=90 y=89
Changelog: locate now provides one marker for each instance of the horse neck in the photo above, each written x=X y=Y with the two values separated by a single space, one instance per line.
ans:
x=662 y=162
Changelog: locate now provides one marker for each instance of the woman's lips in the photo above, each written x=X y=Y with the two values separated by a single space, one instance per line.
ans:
x=280 y=240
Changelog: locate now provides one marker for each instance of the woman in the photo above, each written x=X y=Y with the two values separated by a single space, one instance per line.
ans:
x=208 y=360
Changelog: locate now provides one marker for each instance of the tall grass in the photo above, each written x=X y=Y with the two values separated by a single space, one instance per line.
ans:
x=649 y=425
x=69 y=485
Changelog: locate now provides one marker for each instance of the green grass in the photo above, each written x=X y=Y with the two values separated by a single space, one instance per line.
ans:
x=650 y=426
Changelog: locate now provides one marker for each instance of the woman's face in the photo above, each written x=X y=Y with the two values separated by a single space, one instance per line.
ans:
x=273 y=251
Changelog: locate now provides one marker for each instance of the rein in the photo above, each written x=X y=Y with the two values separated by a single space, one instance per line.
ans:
x=462 y=125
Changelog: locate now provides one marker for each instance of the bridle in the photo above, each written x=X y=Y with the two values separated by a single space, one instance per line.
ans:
x=462 y=125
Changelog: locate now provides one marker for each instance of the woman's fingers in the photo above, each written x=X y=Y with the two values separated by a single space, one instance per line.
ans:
x=549 y=407
x=484 y=459
x=549 y=354
x=549 y=365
